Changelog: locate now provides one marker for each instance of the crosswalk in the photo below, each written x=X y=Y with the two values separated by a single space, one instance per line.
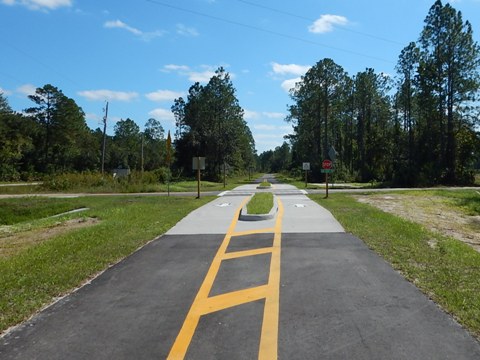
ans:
x=233 y=247
x=248 y=192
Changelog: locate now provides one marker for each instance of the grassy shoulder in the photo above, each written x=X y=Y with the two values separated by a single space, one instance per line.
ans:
x=36 y=274
x=260 y=203
x=13 y=211
x=135 y=183
x=333 y=184
x=445 y=269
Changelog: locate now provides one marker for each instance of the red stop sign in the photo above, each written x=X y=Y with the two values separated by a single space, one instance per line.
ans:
x=326 y=164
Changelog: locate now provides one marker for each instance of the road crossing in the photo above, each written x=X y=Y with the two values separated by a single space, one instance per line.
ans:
x=205 y=304
x=214 y=287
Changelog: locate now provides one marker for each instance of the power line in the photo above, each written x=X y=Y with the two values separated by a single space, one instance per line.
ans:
x=34 y=59
x=313 y=20
x=271 y=32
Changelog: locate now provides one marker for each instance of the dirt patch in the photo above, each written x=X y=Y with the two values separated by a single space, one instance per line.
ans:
x=434 y=212
x=12 y=243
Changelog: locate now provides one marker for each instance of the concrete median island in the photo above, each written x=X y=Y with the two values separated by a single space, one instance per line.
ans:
x=254 y=215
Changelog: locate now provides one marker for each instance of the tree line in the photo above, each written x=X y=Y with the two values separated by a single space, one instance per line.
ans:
x=52 y=136
x=210 y=124
x=419 y=128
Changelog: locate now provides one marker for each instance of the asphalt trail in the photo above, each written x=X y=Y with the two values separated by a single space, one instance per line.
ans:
x=336 y=298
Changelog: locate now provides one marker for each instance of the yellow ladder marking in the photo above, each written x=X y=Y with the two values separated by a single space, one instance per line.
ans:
x=252 y=232
x=269 y=337
x=203 y=304
x=231 y=299
x=239 y=254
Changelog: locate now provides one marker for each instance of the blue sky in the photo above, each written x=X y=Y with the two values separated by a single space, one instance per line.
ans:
x=141 y=54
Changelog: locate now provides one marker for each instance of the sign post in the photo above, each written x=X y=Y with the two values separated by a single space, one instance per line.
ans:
x=168 y=157
x=198 y=163
x=326 y=168
x=306 y=167
x=198 y=178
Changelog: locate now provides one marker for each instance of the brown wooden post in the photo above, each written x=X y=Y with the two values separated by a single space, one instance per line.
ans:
x=198 y=177
x=326 y=185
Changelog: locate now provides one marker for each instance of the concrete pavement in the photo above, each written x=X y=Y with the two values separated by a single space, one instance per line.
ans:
x=301 y=213
x=213 y=287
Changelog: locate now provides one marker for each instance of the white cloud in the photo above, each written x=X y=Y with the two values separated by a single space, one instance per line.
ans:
x=264 y=127
x=102 y=95
x=137 y=32
x=202 y=77
x=326 y=22
x=5 y=92
x=121 y=25
x=290 y=84
x=162 y=115
x=27 y=89
x=93 y=117
x=268 y=141
x=270 y=136
x=250 y=115
x=164 y=95
x=274 y=115
x=253 y=115
x=186 y=31
x=173 y=67
x=289 y=69
x=272 y=127
x=39 y=4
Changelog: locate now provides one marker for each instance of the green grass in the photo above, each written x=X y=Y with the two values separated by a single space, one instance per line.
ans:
x=466 y=200
x=260 y=203
x=13 y=211
x=95 y=183
x=36 y=275
x=265 y=184
x=26 y=189
x=448 y=272
x=300 y=183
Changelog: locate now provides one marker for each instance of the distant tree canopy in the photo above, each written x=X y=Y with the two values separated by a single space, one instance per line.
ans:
x=425 y=132
x=52 y=137
x=420 y=127
x=209 y=123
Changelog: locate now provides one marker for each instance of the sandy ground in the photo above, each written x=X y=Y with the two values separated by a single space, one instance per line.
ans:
x=433 y=212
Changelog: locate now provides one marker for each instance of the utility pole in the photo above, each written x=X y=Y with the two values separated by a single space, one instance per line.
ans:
x=143 y=133
x=224 y=173
x=104 y=137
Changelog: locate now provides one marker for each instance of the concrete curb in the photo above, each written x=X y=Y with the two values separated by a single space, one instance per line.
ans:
x=245 y=216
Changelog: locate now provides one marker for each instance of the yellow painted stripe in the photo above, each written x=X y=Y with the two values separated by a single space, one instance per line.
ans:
x=239 y=254
x=231 y=299
x=253 y=232
x=269 y=336
x=270 y=292
x=180 y=346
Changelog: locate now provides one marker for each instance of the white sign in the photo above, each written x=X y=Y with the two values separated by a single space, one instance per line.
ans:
x=306 y=166
x=198 y=163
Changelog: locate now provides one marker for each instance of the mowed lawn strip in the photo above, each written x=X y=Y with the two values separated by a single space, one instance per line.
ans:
x=445 y=269
x=33 y=277
x=13 y=211
x=260 y=203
